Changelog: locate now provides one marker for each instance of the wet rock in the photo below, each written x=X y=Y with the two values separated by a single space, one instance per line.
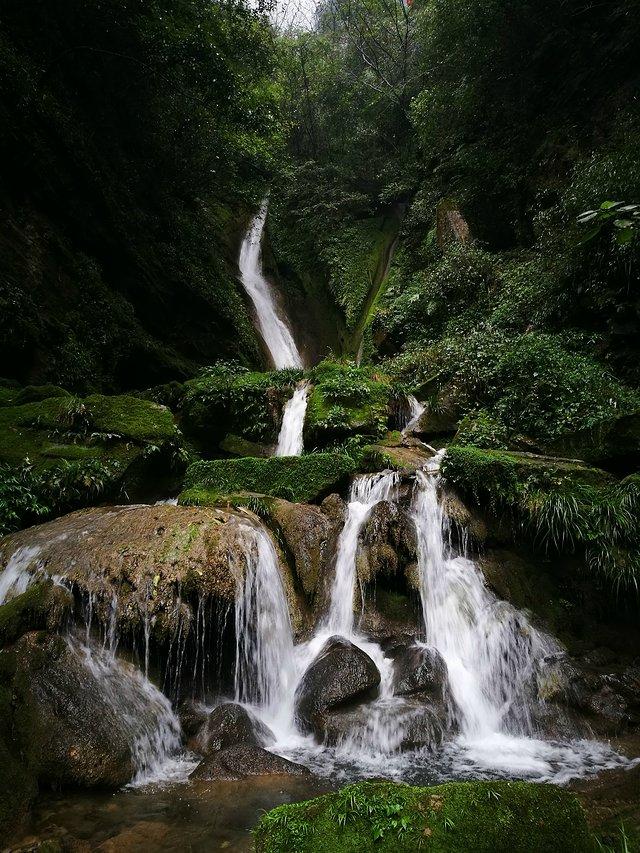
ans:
x=390 y=617
x=410 y=725
x=464 y=519
x=245 y=760
x=310 y=535
x=342 y=673
x=150 y=556
x=193 y=716
x=387 y=541
x=435 y=424
x=79 y=738
x=230 y=725
x=139 y=838
x=421 y=728
x=419 y=669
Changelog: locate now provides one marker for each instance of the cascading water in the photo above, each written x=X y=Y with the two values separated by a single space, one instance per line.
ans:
x=290 y=440
x=17 y=576
x=145 y=713
x=494 y=657
x=265 y=670
x=416 y=410
x=366 y=492
x=273 y=328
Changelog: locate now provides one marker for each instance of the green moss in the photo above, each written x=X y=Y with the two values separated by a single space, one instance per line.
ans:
x=514 y=817
x=65 y=452
x=130 y=417
x=235 y=445
x=296 y=478
x=559 y=504
x=35 y=393
x=344 y=400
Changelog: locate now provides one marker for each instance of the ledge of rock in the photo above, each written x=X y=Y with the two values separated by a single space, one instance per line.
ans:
x=149 y=556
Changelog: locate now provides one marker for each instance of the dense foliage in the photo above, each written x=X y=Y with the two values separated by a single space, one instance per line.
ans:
x=135 y=137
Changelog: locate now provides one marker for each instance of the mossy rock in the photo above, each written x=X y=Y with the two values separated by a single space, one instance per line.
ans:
x=235 y=445
x=346 y=400
x=35 y=393
x=65 y=452
x=112 y=426
x=458 y=817
x=43 y=605
x=560 y=505
x=296 y=478
x=610 y=441
x=231 y=400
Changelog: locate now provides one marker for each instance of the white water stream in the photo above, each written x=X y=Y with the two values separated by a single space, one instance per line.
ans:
x=290 y=440
x=274 y=329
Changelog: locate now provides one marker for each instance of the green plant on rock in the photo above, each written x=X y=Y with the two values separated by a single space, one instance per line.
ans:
x=561 y=506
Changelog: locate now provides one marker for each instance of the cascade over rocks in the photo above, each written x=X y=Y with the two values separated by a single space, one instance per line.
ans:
x=229 y=725
x=342 y=673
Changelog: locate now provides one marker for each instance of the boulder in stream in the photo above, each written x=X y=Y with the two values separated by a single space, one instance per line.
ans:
x=420 y=669
x=245 y=760
x=230 y=725
x=75 y=736
x=341 y=674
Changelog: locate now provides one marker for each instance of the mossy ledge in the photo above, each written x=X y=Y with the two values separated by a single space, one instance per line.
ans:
x=296 y=478
x=456 y=817
x=561 y=505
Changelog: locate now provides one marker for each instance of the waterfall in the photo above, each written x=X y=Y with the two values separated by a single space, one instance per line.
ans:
x=273 y=328
x=366 y=491
x=416 y=410
x=17 y=576
x=493 y=655
x=265 y=670
x=491 y=650
x=290 y=441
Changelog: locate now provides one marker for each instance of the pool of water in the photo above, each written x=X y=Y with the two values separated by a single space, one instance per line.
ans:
x=194 y=816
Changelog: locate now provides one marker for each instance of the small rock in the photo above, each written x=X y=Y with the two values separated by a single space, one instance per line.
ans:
x=240 y=762
x=230 y=725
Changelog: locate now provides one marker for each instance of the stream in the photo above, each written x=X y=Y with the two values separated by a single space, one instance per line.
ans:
x=493 y=660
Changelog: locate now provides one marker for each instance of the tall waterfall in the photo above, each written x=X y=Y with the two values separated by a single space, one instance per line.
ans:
x=273 y=328
x=290 y=440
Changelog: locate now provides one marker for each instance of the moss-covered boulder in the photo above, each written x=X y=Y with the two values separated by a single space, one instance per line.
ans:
x=560 y=505
x=346 y=400
x=296 y=478
x=496 y=817
x=609 y=441
x=43 y=606
x=63 y=452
